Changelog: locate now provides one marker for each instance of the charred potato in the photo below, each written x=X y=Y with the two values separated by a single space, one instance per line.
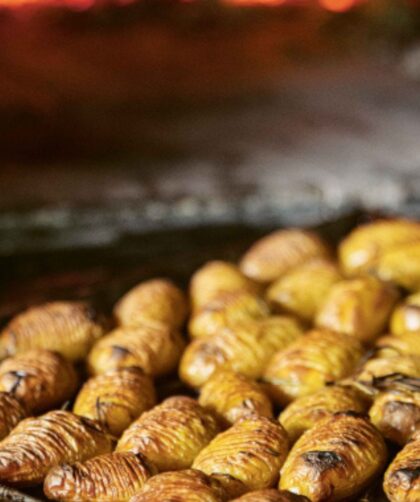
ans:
x=116 y=399
x=277 y=253
x=307 y=411
x=154 y=301
x=401 y=265
x=11 y=413
x=40 y=379
x=406 y=317
x=233 y=396
x=363 y=247
x=244 y=348
x=302 y=290
x=252 y=451
x=335 y=459
x=271 y=495
x=69 y=328
x=36 y=445
x=402 y=478
x=171 y=434
x=310 y=363
x=107 y=478
x=358 y=307
x=156 y=349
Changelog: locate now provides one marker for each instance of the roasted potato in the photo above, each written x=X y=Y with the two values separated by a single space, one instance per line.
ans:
x=116 y=399
x=335 y=459
x=11 y=413
x=387 y=365
x=406 y=317
x=232 y=396
x=359 y=307
x=401 y=265
x=171 y=434
x=307 y=411
x=402 y=478
x=40 y=379
x=107 y=478
x=361 y=249
x=36 y=445
x=271 y=495
x=302 y=290
x=227 y=310
x=279 y=252
x=156 y=349
x=181 y=486
x=310 y=363
x=406 y=344
x=244 y=348
x=69 y=328
x=252 y=451
x=154 y=301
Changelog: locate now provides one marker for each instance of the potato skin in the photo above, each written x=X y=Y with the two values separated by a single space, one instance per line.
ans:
x=302 y=290
x=359 y=307
x=154 y=301
x=244 y=348
x=402 y=478
x=318 y=358
x=181 y=486
x=106 y=478
x=335 y=459
x=116 y=399
x=361 y=249
x=233 y=396
x=271 y=496
x=11 y=413
x=307 y=411
x=252 y=450
x=69 y=328
x=36 y=445
x=155 y=349
x=171 y=434
x=406 y=316
x=401 y=265
x=40 y=379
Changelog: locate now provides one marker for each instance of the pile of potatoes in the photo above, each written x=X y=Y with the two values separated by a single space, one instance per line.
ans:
x=302 y=365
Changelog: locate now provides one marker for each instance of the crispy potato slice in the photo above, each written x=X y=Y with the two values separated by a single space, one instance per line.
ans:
x=11 y=413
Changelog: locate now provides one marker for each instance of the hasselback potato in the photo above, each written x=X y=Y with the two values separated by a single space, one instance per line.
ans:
x=171 y=434
x=404 y=344
x=36 y=445
x=401 y=265
x=335 y=459
x=117 y=398
x=306 y=411
x=69 y=328
x=40 y=379
x=402 y=478
x=271 y=495
x=303 y=290
x=157 y=300
x=406 y=317
x=244 y=348
x=385 y=365
x=318 y=358
x=156 y=349
x=233 y=396
x=106 y=478
x=359 y=307
x=252 y=451
x=11 y=413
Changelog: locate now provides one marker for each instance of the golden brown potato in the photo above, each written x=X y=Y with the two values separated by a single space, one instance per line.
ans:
x=279 y=252
x=116 y=399
x=181 y=486
x=227 y=310
x=318 y=358
x=271 y=495
x=406 y=317
x=335 y=459
x=233 y=396
x=302 y=291
x=40 y=379
x=157 y=300
x=11 y=413
x=362 y=248
x=307 y=411
x=36 y=445
x=171 y=434
x=359 y=307
x=402 y=478
x=405 y=344
x=244 y=348
x=216 y=278
x=156 y=349
x=107 y=478
x=69 y=328
x=401 y=265
x=388 y=365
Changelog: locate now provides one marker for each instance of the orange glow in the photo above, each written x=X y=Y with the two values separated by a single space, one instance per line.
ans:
x=256 y=2
x=338 y=5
